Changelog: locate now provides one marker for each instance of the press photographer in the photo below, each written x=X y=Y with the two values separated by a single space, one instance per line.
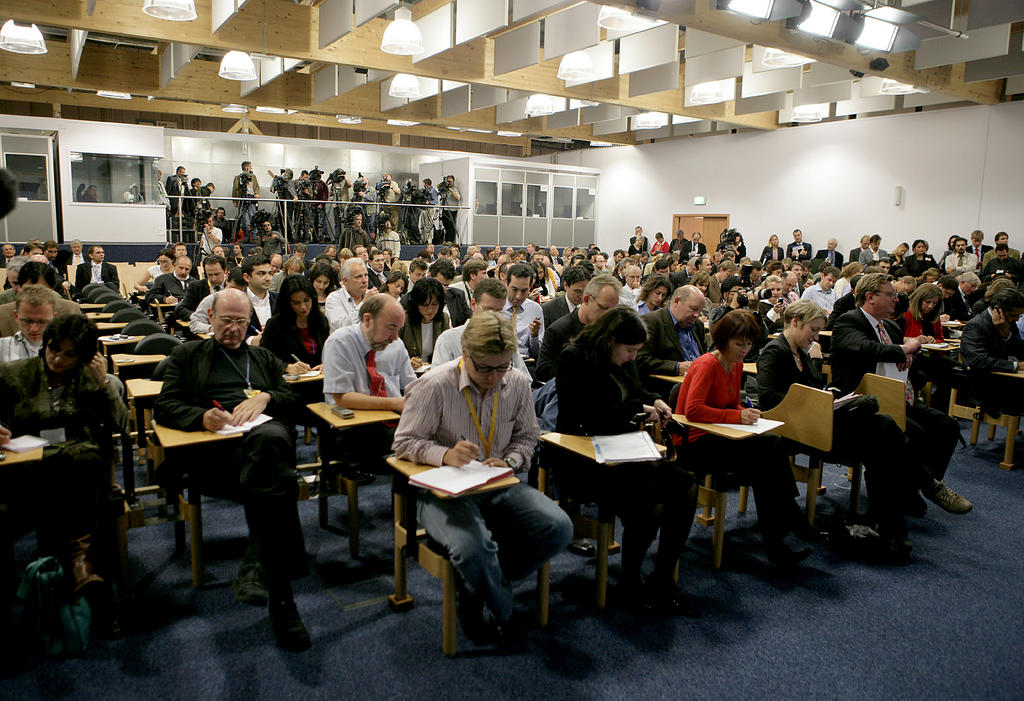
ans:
x=388 y=192
x=449 y=197
x=339 y=189
x=283 y=188
x=245 y=190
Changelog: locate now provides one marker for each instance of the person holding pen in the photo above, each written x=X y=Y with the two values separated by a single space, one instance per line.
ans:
x=297 y=331
x=474 y=408
x=710 y=393
x=221 y=382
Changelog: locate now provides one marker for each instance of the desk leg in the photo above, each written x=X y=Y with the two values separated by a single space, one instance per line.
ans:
x=543 y=593
x=604 y=540
x=448 y=639
x=400 y=600
x=1012 y=426
x=321 y=496
x=352 y=490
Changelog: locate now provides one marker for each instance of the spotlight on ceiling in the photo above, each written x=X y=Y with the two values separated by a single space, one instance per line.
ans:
x=401 y=123
x=174 y=10
x=707 y=93
x=624 y=20
x=576 y=66
x=237 y=65
x=768 y=10
x=405 y=85
x=21 y=39
x=539 y=106
x=114 y=95
x=777 y=58
x=234 y=108
x=894 y=87
x=402 y=37
x=348 y=119
x=810 y=113
x=650 y=120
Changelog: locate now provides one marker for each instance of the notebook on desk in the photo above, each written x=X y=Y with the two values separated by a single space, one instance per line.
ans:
x=459 y=480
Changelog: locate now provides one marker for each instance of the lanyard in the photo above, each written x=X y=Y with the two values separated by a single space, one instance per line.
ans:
x=248 y=365
x=489 y=441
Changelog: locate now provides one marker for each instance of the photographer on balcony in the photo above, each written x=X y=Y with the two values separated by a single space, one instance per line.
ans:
x=283 y=188
x=245 y=190
x=449 y=197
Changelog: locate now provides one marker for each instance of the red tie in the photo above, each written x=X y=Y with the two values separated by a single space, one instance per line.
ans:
x=378 y=387
x=977 y=252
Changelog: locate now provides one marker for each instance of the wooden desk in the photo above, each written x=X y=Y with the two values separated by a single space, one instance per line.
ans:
x=141 y=394
x=160 y=307
x=129 y=359
x=303 y=380
x=99 y=316
x=322 y=411
x=1018 y=374
x=13 y=458
x=91 y=306
x=111 y=325
x=173 y=438
x=748 y=369
x=411 y=469
x=730 y=433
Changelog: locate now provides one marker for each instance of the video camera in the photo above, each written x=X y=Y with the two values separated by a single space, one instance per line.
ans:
x=336 y=176
x=728 y=237
x=244 y=178
x=382 y=188
x=260 y=217
x=315 y=174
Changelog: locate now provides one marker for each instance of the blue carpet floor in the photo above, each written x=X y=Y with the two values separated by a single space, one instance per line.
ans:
x=948 y=626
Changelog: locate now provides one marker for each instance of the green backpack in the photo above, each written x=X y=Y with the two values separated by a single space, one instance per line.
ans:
x=61 y=625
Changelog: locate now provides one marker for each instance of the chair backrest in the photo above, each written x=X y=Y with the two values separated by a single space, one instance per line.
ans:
x=157 y=344
x=161 y=368
x=806 y=414
x=94 y=290
x=129 y=313
x=126 y=276
x=142 y=327
x=117 y=305
x=892 y=398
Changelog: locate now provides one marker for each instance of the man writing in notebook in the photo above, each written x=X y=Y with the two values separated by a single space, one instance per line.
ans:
x=474 y=408
x=222 y=381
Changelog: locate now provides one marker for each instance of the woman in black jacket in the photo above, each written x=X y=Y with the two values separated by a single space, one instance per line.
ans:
x=298 y=329
x=773 y=251
x=599 y=393
x=425 y=321
x=921 y=260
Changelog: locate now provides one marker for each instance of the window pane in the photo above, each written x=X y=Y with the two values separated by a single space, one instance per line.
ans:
x=512 y=199
x=563 y=203
x=30 y=172
x=101 y=177
x=584 y=204
x=536 y=201
x=486 y=198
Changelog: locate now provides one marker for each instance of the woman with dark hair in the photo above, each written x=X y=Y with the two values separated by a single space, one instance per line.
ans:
x=396 y=284
x=424 y=321
x=325 y=281
x=599 y=393
x=64 y=396
x=653 y=293
x=710 y=393
x=920 y=261
x=297 y=331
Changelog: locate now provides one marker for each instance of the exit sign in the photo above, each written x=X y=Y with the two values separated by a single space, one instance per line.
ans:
x=700 y=200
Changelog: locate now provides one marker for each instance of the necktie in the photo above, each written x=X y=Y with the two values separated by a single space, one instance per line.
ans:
x=378 y=387
x=908 y=389
x=830 y=257
x=961 y=259
x=977 y=252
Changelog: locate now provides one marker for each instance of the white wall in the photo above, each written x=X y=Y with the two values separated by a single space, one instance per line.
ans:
x=960 y=170
x=106 y=223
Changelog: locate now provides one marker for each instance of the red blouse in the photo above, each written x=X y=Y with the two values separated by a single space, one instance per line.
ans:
x=709 y=394
x=914 y=328
x=661 y=247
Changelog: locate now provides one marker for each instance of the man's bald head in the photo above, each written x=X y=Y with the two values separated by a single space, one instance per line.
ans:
x=230 y=316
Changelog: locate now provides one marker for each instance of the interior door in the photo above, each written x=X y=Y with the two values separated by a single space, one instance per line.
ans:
x=710 y=226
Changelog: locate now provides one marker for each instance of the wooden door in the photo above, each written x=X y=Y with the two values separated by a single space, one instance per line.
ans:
x=710 y=227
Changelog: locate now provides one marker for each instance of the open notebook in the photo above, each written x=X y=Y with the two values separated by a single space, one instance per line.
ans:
x=458 y=480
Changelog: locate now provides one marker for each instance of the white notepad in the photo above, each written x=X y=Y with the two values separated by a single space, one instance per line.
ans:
x=458 y=480
x=242 y=428
x=761 y=426
x=23 y=444
x=625 y=447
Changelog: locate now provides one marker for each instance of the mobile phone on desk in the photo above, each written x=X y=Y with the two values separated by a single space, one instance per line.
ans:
x=343 y=412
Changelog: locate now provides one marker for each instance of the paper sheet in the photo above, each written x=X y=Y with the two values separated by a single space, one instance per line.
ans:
x=761 y=426
x=23 y=444
x=625 y=447
x=457 y=480
x=247 y=426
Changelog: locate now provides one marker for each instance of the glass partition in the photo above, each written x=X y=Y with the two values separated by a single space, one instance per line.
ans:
x=512 y=199
x=486 y=197
x=102 y=177
x=536 y=201
x=562 y=208
x=30 y=172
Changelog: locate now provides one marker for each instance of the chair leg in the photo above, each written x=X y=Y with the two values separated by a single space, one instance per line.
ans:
x=856 y=471
x=975 y=427
x=543 y=593
x=351 y=489
x=1012 y=426
x=400 y=600
x=813 y=485
x=741 y=507
x=604 y=539
x=718 y=537
x=193 y=511
x=448 y=610
x=706 y=517
x=991 y=431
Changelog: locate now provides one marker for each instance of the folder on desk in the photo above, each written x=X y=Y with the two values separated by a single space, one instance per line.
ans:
x=459 y=480
x=625 y=447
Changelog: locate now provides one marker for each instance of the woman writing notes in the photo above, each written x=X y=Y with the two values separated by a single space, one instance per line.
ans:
x=710 y=393
x=599 y=393
x=297 y=331
x=424 y=321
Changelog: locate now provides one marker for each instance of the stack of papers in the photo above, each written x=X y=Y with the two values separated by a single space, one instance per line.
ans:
x=846 y=399
x=422 y=368
x=458 y=480
x=242 y=428
x=23 y=444
x=311 y=373
x=761 y=426
x=936 y=346
x=625 y=447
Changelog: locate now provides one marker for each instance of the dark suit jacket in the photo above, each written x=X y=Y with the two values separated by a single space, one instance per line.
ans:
x=854 y=254
x=412 y=336
x=957 y=307
x=803 y=250
x=662 y=351
x=283 y=342
x=166 y=285
x=822 y=256
x=9 y=326
x=108 y=273
x=374 y=280
x=457 y=306
x=843 y=305
x=856 y=350
x=985 y=351
x=766 y=254
x=690 y=249
x=195 y=293
x=554 y=310
x=556 y=337
x=254 y=321
x=777 y=371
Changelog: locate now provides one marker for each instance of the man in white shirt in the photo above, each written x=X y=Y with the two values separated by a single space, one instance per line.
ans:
x=342 y=307
x=527 y=316
x=631 y=290
x=76 y=253
x=489 y=295
x=211 y=236
x=873 y=253
x=257 y=274
x=34 y=309
x=823 y=293
x=960 y=261
x=473 y=271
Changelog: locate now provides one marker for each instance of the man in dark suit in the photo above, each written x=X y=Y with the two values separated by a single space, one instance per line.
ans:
x=978 y=248
x=865 y=340
x=694 y=247
x=675 y=335
x=865 y=241
x=96 y=271
x=829 y=255
x=991 y=342
x=169 y=288
x=798 y=250
x=376 y=274
x=601 y=295
x=215 y=269
x=956 y=294
x=574 y=279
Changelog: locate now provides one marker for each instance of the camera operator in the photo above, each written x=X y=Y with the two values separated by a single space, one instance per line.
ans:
x=283 y=188
x=245 y=190
x=355 y=234
x=427 y=221
x=209 y=234
x=388 y=192
x=318 y=217
x=389 y=239
x=177 y=188
x=193 y=203
x=339 y=189
x=272 y=241
x=449 y=198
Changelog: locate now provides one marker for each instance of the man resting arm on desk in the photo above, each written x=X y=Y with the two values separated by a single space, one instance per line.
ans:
x=468 y=409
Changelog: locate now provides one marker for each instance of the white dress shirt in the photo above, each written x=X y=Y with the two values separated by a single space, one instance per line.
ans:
x=345 y=364
x=529 y=345
x=449 y=346
x=261 y=306
x=341 y=309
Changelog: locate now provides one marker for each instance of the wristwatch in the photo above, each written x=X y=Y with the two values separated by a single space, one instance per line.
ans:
x=512 y=461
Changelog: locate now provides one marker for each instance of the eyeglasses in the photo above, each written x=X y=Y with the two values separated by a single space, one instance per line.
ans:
x=228 y=321
x=487 y=369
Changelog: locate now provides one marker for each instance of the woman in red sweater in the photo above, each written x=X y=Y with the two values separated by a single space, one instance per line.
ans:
x=710 y=393
x=921 y=321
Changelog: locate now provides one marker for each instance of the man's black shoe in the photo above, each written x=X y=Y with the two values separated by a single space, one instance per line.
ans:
x=249 y=585
x=669 y=602
x=289 y=630
x=582 y=546
x=470 y=610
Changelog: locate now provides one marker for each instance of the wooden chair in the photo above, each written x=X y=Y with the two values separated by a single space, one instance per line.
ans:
x=413 y=542
x=126 y=278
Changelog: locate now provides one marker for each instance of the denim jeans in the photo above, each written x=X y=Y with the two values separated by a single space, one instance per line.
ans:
x=496 y=537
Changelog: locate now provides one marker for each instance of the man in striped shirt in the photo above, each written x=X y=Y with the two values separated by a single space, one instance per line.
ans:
x=473 y=408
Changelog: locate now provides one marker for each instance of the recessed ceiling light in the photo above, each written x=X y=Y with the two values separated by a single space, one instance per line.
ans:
x=16 y=84
x=401 y=123
x=271 y=110
x=511 y=134
x=346 y=119
x=114 y=95
x=479 y=131
x=235 y=109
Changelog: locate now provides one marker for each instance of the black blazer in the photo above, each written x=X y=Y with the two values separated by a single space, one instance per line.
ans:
x=690 y=249
x=768 y=253
x=108 y=273
x=985 y=351
x=823 y=255
x=283 y=342
x=554 y=310
x=374 y=279
x=916 y=267
x=457 y=306
x=195 y=293
x=957 y=308
x=255 y=327
x=582 y=386
x=856 y=350
x=556 y=337
x=662 y=351
x=799 y=251
x=776 y=371
x=166 y=285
